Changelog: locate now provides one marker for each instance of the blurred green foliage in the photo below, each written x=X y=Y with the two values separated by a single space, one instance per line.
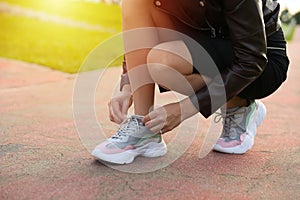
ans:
x=63 y=47
x=54 y=44
x=288 y=30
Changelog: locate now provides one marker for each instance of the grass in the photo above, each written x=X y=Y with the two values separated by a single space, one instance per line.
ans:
x=63 y=47
x=55 y=45
x=100 y=13
x=289 y=30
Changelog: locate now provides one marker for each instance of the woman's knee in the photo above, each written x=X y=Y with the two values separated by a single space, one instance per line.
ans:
x=173 y=55
x=157 y=62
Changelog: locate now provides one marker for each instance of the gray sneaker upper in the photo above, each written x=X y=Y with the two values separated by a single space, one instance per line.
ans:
x=235 y=121
x=133 y=132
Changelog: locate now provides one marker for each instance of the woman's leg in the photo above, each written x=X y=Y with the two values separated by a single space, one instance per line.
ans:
x=170 y=65
x=142 y=14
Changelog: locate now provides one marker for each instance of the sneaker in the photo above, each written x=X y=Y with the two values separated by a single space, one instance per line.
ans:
x=131 y=140
x=239 y=128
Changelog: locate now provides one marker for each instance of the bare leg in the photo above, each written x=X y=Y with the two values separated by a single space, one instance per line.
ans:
x=237 y=102
x=165 y=59
x=168 y=57
x=142 y=14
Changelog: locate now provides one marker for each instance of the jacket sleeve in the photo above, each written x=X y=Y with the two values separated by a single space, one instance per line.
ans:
x=247 y=32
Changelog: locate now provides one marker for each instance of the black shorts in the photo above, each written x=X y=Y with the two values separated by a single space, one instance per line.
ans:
x=221 y=52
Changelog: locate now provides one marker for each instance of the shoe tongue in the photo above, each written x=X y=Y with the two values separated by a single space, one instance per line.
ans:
x=139 y=118
x=143 y=131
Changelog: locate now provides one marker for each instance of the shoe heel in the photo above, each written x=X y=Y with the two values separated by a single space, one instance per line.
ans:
x=263 y=112
x=155 y=150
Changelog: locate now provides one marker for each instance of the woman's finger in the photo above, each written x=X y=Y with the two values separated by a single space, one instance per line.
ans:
x=155 y=114
x=118 y=115
x=156 y=122
x=113 y=112
x=112 y=115
x=125 y=108
x=146 y=119
x=157 y=129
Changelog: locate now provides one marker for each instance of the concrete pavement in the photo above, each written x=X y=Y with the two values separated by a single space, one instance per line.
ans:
x=43 y=157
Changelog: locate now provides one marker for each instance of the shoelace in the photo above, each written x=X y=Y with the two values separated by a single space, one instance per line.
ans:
x=228 y=121
x=127 y=126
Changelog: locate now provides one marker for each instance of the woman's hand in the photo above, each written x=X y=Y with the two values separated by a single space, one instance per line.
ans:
x=168 y=117
x=118 y=106
x=163 y=119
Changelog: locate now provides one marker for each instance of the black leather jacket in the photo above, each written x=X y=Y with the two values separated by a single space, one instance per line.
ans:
x=248 y=22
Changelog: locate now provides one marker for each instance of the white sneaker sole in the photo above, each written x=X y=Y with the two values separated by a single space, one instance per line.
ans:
x=150 y=150
x=255 y=121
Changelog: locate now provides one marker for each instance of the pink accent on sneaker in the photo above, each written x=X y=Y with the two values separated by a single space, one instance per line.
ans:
x=232 y=143
x=104 y=149
x=243 y=136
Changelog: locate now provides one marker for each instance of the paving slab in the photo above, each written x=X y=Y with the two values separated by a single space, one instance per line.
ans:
x=42 y=155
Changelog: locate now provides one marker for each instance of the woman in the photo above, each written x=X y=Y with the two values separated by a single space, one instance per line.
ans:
x=246 y=43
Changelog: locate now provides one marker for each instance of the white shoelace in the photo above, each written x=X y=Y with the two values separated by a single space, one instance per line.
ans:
x=128 y=126
x=228 y=121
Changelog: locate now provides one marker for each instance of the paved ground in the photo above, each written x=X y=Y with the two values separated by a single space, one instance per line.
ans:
x=43 y=157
